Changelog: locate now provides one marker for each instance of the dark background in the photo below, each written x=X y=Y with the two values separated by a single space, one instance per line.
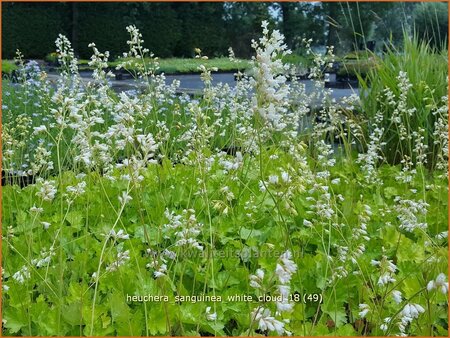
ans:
x=175 y=29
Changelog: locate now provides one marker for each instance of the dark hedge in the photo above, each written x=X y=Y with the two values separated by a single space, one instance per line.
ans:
x=33 y=27
x=169 y=29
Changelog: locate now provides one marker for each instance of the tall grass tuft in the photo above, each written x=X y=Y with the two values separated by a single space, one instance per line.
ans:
x=418 y=74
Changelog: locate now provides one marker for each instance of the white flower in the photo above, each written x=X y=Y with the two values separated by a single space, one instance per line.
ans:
x=267 y=322
x=285 y=268
x=210 y=316
x=307 y=223
x=44 y=259
x=47 y=191
x=364 y=310
x=284 y=290
x=285 y=306
x=169 y=254
x=256 y=280
x=125 y=198
x=385 y=278
x=442 y=235
x=22 y=275
x=397 y=296
x=412 y=310
x=40 y=129
x=79 y=189
x=262 y=186
x=122 y=258
x=46 y=225
x=285 y=177
x=384 y=326
x=439 y=284
x=119 y=235
x=335 y=181
x=273 y=179
x=161 y=271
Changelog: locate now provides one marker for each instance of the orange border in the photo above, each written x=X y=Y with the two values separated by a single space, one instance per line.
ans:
x=1 y=124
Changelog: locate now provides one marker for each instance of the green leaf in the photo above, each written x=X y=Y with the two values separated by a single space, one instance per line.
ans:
x=120 y=312
x=14 y=319
x=346 y=330
x=390 y=192
x=147 y=234
x=249 y=233
x=410 y=251
x=75 y=218
x=157 y=320
x=72 y=313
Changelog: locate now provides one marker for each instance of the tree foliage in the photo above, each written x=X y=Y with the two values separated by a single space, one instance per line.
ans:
x=431 y=23
x=176 y=29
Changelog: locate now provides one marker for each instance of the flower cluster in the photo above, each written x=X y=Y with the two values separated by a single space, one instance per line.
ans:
x=284 y=271
x=184 y=227
x=122 y=258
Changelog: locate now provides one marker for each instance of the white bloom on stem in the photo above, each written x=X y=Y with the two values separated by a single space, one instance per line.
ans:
x=384 y=326
x=210 y=316
x=125 y=198
x=266 y=321
x=442 y=235
x=285 y=267
x=257 y=279
x=47 y=191
x=36 y=209
x=412 y=310
x=385 y=279
x=285 y=177
x=364 y=310
x=307 y=223
x=119 y=234
x=122 y=258
x=161 y=271
x=284 y=305
x=46 y=225
x=336 y=181
x=273 y=179
x=40 y=129
x=439 y=284
x=22 y=275
x=77 y=190
x=397 y=296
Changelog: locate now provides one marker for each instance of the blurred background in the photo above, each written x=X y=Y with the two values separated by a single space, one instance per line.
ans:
x=176 y=29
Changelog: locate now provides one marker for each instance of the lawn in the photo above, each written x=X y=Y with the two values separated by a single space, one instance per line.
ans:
x=184 y=65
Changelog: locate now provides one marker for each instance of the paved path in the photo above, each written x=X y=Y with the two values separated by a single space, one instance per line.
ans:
x=191 y=83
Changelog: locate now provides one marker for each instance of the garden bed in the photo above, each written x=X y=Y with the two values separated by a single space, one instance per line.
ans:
x=161 y=214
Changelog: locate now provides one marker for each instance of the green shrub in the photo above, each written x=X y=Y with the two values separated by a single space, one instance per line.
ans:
x=8 y=66
x=358 y=55
x=352 y=68
x=52 y=57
